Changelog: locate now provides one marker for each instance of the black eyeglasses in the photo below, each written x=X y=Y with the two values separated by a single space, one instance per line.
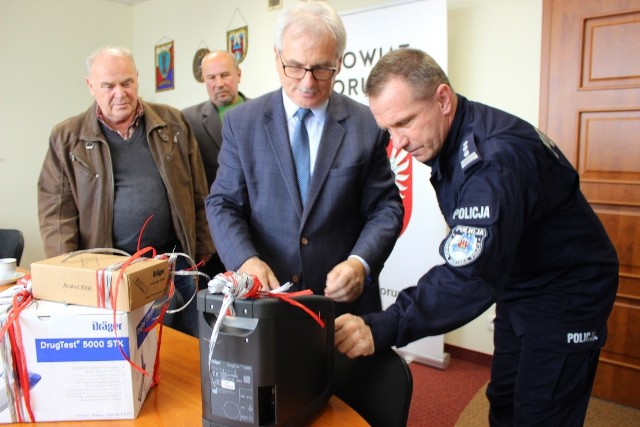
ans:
x=318 y=73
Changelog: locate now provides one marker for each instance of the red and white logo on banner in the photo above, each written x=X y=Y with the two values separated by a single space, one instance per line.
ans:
x=401 y=165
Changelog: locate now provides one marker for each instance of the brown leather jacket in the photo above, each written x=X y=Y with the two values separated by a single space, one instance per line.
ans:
x=76 y=190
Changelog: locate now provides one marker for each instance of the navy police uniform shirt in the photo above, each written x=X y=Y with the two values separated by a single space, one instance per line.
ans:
x=521 y=235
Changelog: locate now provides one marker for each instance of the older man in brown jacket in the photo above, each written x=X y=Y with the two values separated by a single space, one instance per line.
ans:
x=123 y=161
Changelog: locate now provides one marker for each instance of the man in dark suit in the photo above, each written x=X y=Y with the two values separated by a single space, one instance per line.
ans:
x=221 y=74
x=328 y=225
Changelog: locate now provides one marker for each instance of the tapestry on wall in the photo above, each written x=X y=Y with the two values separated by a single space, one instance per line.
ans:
x=238 y=42
x=238 y=37
x=165 y=77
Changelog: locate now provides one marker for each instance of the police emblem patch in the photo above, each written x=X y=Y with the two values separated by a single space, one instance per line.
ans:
x=464 y=245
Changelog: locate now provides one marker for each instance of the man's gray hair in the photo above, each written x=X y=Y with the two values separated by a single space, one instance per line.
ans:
x=316 y=18
x=114 y=50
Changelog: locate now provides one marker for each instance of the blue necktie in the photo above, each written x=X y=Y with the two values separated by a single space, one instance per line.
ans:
x=300 y=150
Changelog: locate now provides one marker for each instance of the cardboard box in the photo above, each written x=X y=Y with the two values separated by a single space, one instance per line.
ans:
x=75 y=280
x=76 y=369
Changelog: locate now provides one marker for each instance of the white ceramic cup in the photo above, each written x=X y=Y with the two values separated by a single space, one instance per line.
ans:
x=7 y=268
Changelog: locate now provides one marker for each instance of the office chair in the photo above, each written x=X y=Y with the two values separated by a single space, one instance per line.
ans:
x=378 y=387
x=11 y=244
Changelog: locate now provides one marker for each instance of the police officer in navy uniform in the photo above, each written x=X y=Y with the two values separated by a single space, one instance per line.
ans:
x=522 y=235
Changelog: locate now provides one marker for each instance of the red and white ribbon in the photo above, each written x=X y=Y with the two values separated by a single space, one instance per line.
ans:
x=21 y=297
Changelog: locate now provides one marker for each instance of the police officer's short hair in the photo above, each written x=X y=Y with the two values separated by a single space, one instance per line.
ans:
x=416 y=67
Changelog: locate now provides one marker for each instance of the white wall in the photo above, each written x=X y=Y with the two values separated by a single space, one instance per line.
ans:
x=494 y=57
x=44 y=43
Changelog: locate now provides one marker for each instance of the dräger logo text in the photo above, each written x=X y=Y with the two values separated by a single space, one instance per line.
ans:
x=105 y=326
x=157 y=273
x=581 y=337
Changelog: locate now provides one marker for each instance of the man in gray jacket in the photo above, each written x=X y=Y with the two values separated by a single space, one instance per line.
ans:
x=221 y=74
x=123 y=161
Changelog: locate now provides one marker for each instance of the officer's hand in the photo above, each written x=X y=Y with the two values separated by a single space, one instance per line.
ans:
x=255 y=266
x=345 y=282
x=353 y=337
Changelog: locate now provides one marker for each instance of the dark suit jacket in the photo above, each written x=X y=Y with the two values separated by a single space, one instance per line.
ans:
x=353 y=206
x=207 y=128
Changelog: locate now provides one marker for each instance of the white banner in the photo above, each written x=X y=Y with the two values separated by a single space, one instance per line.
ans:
x=371 y=33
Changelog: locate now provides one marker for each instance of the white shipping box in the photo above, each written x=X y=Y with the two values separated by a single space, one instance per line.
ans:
x=76 y=369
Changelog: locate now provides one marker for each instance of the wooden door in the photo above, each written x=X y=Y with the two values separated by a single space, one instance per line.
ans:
x=590 y=106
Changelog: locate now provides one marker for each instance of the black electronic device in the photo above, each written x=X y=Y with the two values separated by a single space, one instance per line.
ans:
x=272 y=364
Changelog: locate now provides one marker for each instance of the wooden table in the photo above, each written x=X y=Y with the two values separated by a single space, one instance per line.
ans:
x=177 y=400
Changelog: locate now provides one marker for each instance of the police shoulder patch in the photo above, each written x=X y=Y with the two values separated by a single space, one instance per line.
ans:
x=464 y=245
